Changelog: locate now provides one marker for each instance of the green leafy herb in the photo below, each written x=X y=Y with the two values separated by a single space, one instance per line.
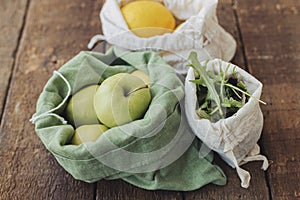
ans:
x=209 y=83
x=219 y=95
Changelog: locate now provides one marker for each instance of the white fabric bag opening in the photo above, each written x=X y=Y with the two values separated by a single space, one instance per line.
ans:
x=200 y=32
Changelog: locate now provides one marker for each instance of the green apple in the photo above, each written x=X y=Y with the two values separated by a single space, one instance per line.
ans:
x=142 y=75
x=80 y=108
x=120 y=99
x=88 y=133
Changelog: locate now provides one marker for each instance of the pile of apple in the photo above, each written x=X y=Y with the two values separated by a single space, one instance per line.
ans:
x=118 y=100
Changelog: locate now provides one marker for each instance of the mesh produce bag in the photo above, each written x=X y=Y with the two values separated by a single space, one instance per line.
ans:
x=158 y=151
x=233 y=138
x=199 y=32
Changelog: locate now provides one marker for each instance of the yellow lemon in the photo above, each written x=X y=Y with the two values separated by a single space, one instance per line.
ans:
x=148 y=18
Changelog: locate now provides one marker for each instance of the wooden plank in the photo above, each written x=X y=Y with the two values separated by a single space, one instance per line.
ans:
x=12 y=15
x=54 y=32
x=258 y=186
x=271 y=35
x=120 y=190
x=232 y=190
x=226 y=17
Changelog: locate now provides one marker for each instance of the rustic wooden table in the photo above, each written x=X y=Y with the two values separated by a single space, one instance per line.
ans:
x=38 y=36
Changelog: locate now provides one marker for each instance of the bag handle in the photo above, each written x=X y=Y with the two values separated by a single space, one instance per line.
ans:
x=96 y=38
x=244 y=175
x=36 y=117
x=255 y=156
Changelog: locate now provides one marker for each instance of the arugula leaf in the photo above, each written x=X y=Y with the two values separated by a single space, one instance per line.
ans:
x=208 y=81
x=241 y=85
x=223 y=81
x=245 y=92
x=230 y=102
x=201 y=113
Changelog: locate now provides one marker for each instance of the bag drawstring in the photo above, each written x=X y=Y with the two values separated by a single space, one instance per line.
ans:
x=36 y=117
x=243 y=174
x=94 y=40
x=265 y=164
x=253 y=156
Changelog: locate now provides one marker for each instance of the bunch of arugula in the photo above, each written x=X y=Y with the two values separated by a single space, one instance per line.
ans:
x=219 y=95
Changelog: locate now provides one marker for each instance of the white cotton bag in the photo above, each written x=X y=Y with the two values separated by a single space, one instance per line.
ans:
x=200 y=32
x=234 y=138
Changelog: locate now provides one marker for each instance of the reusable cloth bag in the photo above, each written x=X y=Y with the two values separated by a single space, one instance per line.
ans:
x=234 y=138
x=199 y=32
x=158 y=151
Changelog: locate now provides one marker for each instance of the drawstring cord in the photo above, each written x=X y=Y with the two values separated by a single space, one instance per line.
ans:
x=36 y=117
x=253 y=156
x=94 y=40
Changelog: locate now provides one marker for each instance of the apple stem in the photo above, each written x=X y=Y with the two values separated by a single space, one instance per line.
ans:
x=127 y=94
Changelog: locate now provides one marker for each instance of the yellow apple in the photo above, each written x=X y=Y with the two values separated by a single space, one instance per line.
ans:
x=142 y=75
x=80 y=108
x=88 y=133
x=120 y=99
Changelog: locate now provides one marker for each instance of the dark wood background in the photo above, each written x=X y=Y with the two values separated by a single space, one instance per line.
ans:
x=38 y=36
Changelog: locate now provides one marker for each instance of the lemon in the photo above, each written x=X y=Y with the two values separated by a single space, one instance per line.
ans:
x=148 y=18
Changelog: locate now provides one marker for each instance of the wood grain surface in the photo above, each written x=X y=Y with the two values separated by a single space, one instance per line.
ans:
x=54 y=32
x=271 y=35
x=39 y=36
x=12 y=20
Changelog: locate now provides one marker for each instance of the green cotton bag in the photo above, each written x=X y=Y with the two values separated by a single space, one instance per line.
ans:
x=158 y=151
